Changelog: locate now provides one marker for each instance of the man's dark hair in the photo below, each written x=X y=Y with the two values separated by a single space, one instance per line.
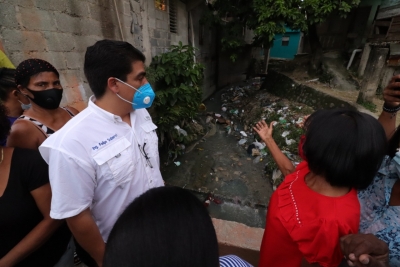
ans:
x=166 y=226
x=7 y=83
x=345 y=146
x=108 y=58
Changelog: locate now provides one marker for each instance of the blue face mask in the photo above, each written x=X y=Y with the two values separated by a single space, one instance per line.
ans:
x=25 y=106
x=143 y=98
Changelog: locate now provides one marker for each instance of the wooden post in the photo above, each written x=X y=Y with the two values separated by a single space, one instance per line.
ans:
x=372 y=75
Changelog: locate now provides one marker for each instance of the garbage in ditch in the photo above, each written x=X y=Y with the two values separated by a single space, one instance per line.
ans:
x=242 y=142
x=242 y=106
x=212 y=198
x=180 y=131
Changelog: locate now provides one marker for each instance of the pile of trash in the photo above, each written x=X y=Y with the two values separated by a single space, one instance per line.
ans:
x=243 y=106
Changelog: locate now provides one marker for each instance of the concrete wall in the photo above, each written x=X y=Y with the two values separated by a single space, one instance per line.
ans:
x=232 y=72
x=281 y=85
x=59 y=31
x=158 y=27
x=205 y=40
x=183 y=24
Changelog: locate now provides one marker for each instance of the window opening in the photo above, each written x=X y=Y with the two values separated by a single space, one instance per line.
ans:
x=173 y=16
x=285 y=40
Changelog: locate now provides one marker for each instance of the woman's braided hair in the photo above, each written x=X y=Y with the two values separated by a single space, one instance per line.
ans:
x=7 y=82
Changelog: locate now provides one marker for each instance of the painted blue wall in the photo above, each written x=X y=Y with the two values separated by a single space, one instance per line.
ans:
x=287 y=52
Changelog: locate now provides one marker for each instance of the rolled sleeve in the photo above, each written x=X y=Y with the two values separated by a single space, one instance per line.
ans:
x=72 y=183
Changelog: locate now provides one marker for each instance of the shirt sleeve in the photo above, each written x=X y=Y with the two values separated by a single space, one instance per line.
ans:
x=72 y=183
x=319 y=242
x=373 y=199
x=233 y=261
x=35 y=172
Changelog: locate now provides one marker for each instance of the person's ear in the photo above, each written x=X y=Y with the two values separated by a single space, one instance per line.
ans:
x=15 y=93
x=112 y=84
x=21 y=89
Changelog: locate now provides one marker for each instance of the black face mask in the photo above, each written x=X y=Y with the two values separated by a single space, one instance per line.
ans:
x=48 y=99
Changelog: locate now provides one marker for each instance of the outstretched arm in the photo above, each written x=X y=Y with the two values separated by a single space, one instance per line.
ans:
x=265 y=133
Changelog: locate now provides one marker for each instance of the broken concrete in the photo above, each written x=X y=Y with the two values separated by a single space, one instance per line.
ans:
x=372 y=77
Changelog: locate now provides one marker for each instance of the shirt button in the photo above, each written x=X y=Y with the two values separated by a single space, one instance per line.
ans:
x=151 y=181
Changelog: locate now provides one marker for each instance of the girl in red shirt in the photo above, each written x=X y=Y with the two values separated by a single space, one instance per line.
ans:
x=317 y=203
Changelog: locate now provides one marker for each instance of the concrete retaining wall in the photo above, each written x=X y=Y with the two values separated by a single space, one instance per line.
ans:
x=281 y=85
x=239 y=239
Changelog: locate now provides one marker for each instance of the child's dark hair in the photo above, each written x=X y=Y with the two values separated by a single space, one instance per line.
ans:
x=7 y=82
x=345 y=146
x=166 y=226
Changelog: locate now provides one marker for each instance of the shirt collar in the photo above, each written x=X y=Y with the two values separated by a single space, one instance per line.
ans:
x=101 y=112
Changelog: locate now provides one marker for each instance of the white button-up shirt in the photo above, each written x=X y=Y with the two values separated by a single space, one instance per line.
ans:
x=97 y=161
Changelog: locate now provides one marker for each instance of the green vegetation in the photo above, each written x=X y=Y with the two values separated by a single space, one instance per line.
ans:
x=269 y=17
x=369 y=105
x=177 y=80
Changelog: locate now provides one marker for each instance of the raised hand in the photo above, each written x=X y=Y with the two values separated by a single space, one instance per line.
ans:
x=263 y=130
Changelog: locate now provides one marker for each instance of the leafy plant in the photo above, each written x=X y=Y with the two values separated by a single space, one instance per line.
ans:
x=177 y=78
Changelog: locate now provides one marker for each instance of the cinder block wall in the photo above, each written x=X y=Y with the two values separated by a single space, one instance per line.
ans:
x=59 y=31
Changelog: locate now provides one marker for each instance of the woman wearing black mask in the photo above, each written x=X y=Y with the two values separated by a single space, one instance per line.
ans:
x=39 y=81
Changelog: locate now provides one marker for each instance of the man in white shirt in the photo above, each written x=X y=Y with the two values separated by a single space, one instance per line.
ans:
x=107 y=155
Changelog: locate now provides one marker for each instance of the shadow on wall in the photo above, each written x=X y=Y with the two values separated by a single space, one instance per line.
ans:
x=109 y=19
x=233 y=72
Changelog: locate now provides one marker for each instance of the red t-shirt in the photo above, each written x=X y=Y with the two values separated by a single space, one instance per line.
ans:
x=301 y=143
x=302 y=223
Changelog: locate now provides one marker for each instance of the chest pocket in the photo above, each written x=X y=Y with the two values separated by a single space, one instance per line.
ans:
x=117 y=161
x=150 y=138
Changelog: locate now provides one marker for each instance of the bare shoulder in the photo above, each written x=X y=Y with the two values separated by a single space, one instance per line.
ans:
x=25 y=134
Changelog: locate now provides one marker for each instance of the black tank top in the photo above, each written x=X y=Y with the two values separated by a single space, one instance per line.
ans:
x=19 y=213
x=48 y=131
